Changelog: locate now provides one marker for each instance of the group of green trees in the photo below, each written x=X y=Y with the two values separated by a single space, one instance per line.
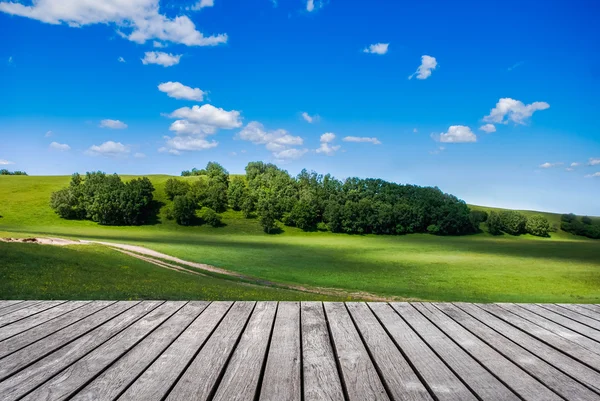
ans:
x=516 y=223
x=6 y=172
x=584 y=226
x=105 y=199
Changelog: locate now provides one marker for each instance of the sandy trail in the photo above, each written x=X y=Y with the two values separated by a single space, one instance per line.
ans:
x=159 y=259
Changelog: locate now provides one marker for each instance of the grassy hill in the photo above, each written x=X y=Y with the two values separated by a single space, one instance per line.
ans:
x=564 y=268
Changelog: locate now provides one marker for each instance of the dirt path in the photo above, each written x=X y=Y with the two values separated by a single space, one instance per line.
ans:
x=159 y=259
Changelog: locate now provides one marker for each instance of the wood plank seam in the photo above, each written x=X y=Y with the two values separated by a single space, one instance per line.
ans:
x=266 y=355
x=566 y=313
x=591 y=315
x=12 y=308
x=13 y=304
x=335 y=354
x=26 y=316
x=301 y=353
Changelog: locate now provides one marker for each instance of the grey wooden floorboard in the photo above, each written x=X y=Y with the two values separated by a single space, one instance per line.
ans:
x=30 y=336
x=241 y=379
x=25 y=312
x=553 y=378
x=28 y=379
x=156 y=381
x=16 y=306
x=593 y=323
x=563 y=321
x=592 y=307
x=562 y=344
x=40 y=349
x=479 y=380
x=200 y=378
x=282 y=379
x=4 y=304
x=39 y=318
x=321 y=376
x=562 y=331
x=359 y=376
x=111 y=382
x=568 y=365
x=582 y=311
x=442 y=382
x=68 y=381
x=397 y=375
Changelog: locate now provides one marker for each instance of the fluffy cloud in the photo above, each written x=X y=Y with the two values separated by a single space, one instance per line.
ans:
x=360 y=139
x=49 y=134
x=4 y=162
x=489 y=128
x=280 y=142
x=179 y=91
x=109 y=149
x=158 y=44
x=326 y=147
x=310 y=119
x=161 y=58
x=190 y=143
x=121 y=60
x=113 y=124
x=428 y=64
x=377 y=48
x=10 y=60
x=202 y=3
x=594 y=162
x=313 y=5
x=61 y=147
x=457 y=134
x=550 y=165
x=209 y=115
x=136 y=20
x=593 y=175
x=508 y=109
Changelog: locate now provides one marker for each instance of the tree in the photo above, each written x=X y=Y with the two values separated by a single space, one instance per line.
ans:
x=513 y=222
x=175 y=187
x=303 y=216
x=538 y=225
x=209 y=216
x=478 y=217
x=183 y=210
x=237 y=193
x=494 y=224
x=266 y=210
x=586 y=220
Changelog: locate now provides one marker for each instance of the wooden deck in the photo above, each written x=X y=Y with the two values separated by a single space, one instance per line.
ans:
x=288 y=351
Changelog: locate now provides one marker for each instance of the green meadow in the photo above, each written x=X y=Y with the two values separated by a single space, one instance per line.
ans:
x=476 y=268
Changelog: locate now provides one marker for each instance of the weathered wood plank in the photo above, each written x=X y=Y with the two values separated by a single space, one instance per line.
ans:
x=241 y=379
x=479 y=380
x=441 y=381
x=4 y=304
x=593 y=323
x=25 y=312
x=199 y=380
x=563 y=321
x=592 y=307
x=582 y=311
x=400 y=380
x=282 y=379
x=359 y=376
x=156 y=381
x=30 y=336
x=570 y=348
x=562 y=331
x=39 y=318
x=16 y=306
x=68 y=381
x=321 y=376
x=566 y=364
x=114 y=380
x=28 y=379
x=528 y=361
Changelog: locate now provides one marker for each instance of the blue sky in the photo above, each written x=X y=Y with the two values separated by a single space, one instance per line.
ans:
x=409 y=91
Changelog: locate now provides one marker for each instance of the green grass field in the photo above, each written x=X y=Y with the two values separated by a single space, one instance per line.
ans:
x=480 y=267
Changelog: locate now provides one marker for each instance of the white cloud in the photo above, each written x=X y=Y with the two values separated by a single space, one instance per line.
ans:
x=313 y=5
x=121 y=60
x=189 y=143
x=4 y=162
x=516 y=65
x=113 y=124
x=279 y=141
x=327 y=137
x=49 y=134
x=109 y=149
x=489 y=128
x=158 y=44
x=171 y=151
x=377 y=48
x=202 y=3
x=439 y=150
x=310 y=119
x=61 y=147
x=209 y=115
x=457 y=134
x=508 y=109
x=593 y=175
x=136 y=20
x=161 y=58
x=551 y=165
x=428 y=64
x=10 y=60
x=575 y=164
x=185 y=127
x=179 y=91
x=139 y=155
x=326 y=147
x=593 y=162
x=361 y=139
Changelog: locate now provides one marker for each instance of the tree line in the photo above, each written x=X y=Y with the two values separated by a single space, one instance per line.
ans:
x=584 y=226
x=516 y=223
x=6 y=172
